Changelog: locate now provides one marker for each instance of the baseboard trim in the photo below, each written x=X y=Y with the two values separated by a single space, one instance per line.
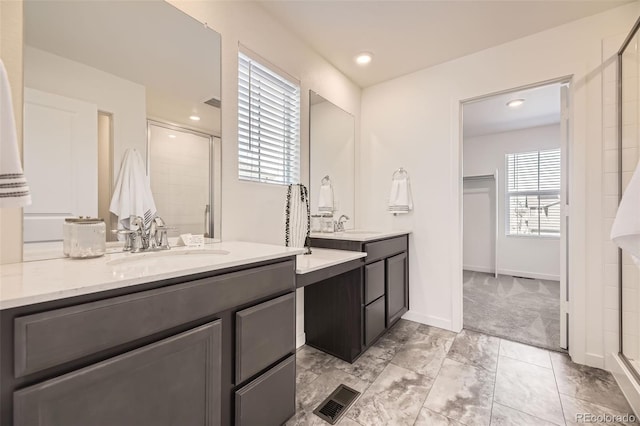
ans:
x=301 y=338
x=594 y=360
x=628 y=384
x=513 y=273
x=429 y=320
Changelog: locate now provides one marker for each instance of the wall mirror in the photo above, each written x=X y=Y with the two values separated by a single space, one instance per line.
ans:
x=628 y=151
x=104 y=77
x=332 y=154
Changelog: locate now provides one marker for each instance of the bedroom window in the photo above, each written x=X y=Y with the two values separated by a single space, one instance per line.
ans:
x=533 y=193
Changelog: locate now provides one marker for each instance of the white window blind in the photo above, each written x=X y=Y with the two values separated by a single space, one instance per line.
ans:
x=533 y=193
x=268 y=125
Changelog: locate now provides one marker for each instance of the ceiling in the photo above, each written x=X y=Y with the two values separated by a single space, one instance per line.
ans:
x=131 y=39
x=492 y=115
x=406 y=36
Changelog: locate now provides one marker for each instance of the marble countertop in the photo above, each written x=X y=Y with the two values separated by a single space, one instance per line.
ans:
x=324 y=258
x=358 y=235
x=41 y=281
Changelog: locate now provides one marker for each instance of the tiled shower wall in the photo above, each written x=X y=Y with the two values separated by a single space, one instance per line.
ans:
x=630 y=156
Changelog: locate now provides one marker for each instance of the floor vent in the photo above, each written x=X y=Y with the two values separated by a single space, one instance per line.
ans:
x=336 y=404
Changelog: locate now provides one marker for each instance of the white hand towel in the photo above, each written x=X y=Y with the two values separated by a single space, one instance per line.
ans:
x=400 y=197
x=14 y=190
x=625 y=232
x=132 y=195
x=325 y=200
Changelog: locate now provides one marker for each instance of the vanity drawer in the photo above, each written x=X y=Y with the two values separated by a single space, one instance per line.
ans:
x=264 y=334
x=54 y=337
x=374 y=281
x=270 y=399
x=385 y=248
x=373 y=320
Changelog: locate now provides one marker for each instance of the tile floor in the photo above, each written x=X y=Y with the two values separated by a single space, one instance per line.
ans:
x=421 y=375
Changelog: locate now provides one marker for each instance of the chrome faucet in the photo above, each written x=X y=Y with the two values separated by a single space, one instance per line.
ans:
x=338 y=226
x=140 y=239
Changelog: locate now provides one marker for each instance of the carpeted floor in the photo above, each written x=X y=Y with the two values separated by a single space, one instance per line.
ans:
x=520 y=309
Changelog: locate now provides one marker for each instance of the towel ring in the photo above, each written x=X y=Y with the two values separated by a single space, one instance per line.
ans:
x=325 y=180
x=400 y=171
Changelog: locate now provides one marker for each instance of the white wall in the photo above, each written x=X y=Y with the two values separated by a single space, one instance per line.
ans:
x=333 y=153
x=421 y=131
x=520 y=256
x=122 y=98
x=255 y=211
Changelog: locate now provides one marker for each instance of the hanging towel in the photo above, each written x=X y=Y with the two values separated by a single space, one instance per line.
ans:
x=400 y=198
x=132 y=195
x=625 y=232
x=325 y=201
x=297 y=217
x=14 y=190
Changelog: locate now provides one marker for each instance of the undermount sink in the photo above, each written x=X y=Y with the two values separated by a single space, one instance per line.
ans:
x=165 y=256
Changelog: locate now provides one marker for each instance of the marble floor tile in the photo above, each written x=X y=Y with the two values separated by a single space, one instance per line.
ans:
x=573 y=407
x=462 y=392
x=425 y=351
x=588 y=383
x=525 y=353
x=369 y=366
x=397 y=336
x=309 y=396
x=427 y=417
x=394 y=398
x=475 y=349
x=528 y=388
x=505 y=416
x=314 y=360
x=304 y=376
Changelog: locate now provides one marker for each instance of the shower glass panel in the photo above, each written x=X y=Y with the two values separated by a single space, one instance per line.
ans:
x=628 y=150
x=180 y=174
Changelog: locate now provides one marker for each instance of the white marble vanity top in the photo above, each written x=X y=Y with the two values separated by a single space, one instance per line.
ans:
x=324 y=258
x=41 y=281
x=358 y=235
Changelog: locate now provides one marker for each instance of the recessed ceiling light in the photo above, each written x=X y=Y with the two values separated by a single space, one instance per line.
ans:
x=515 y=103
x=364 y=58
x=194 y=118
x=172 y=136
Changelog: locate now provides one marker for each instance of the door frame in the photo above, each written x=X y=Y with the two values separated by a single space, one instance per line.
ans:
x=566 y=188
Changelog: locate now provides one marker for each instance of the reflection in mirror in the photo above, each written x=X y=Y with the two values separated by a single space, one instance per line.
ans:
x=94 y=73
x=629 y=148
x=332 y=153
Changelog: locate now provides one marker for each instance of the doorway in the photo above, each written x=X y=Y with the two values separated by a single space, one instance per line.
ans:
x=515 y=152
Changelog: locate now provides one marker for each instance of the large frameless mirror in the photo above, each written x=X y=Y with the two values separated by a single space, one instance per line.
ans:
x=332 y=159
x=101 y=78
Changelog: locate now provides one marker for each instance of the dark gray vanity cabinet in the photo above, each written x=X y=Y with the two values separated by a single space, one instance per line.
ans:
x=379 y=295
x=205 y=349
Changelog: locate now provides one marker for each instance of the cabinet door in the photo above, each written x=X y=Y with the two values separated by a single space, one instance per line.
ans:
x=373 y=320
x=397 y=291
x=175 y=381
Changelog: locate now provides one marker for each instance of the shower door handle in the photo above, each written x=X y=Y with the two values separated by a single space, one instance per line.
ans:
x=207 y=209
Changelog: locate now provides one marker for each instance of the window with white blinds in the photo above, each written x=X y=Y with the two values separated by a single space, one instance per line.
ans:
x=268 y=125
x=533 y=193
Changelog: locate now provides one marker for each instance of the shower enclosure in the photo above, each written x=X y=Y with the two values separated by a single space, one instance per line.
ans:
x=628 y=153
